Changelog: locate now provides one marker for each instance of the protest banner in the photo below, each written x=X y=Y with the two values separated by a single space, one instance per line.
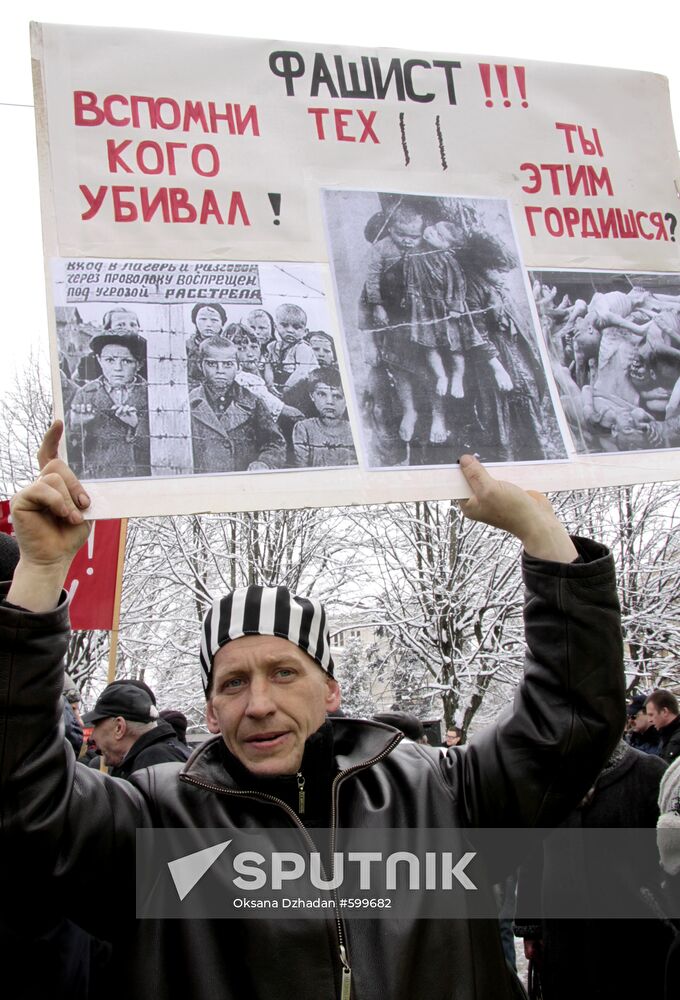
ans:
x=287 y=275
x=92 y=579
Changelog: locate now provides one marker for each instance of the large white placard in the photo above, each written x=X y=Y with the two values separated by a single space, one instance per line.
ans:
x=283 y=275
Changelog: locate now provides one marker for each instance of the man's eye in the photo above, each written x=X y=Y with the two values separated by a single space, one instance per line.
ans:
x=285 y=672
x=233 y=682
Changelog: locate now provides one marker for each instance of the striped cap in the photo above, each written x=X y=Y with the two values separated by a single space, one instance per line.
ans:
x=265 y=611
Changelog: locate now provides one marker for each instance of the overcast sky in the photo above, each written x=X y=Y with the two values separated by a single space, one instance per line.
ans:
x=626 y=35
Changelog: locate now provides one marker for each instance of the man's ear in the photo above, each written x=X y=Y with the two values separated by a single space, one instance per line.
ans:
x=211 y=718
x=333 y=696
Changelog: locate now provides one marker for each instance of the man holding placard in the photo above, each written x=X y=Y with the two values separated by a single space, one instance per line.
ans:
x=278 y=760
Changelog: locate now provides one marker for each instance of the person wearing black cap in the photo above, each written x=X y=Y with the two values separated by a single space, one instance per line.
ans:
x=128 y=731
x=410 y=725
x=278 y=760
x=108 y=421
x=178 y=721
x=640 y=733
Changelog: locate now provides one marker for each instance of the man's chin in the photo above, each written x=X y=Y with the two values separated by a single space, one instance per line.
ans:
x=269 y=763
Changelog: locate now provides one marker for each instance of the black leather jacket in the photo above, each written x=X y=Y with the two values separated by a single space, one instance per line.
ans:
x=157 y=746
x=74 y=829
x=669 y=740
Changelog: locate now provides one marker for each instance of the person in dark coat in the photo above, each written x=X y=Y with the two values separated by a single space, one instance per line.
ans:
x=410 y=725
x=64 y=960
x=232 y=430
x=73 y=731
x=586 y=957
x=268 y=692
x=178 y=721
x=664 y=713
x=9 y=556
x=129 y=733
x=108 y=420
x=641 y=734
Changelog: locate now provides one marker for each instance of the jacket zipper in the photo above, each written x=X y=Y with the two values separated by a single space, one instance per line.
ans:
x=301 y=793
x=346 y=986
x=344 y=957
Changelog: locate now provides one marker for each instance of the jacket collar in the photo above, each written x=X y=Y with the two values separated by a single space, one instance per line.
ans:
x=237 y=413
x=666 y=732
x=159 y=734
x=357 y=743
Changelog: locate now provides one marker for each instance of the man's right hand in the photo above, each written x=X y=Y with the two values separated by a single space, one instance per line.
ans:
x=49 y=529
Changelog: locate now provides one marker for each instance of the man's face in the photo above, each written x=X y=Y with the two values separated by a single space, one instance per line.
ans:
x=268 y=697
x=329 y=401
x=291 y=327
x=124 y=322
x=658 y=717
x=219 y=366
x=118 y=364
x=452 y=738
x=107 y=735
x=640 y=723
x=323 y=351
x=208 y=322
x=248 y=354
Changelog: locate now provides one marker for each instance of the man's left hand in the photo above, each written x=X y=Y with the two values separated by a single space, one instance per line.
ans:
x=524 y=513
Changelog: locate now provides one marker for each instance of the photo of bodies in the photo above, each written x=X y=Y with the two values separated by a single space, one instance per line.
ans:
x=206 y=378
x=614 y=346
x=439 y=332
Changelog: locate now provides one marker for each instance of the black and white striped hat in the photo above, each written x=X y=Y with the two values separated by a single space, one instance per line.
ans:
x=265 y=611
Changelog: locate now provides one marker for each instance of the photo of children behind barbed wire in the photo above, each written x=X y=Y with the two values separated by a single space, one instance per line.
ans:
x=436 y=317
x=614 y=345
x=203 y=387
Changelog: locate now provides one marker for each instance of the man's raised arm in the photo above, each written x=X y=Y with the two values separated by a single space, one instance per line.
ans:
x=538 y=761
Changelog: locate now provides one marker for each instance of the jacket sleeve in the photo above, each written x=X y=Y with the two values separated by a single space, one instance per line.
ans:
x=63 y=825
x=542 y=756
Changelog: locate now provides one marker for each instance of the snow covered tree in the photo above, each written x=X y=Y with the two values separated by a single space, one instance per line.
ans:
x=450 y=600
x=356 y=676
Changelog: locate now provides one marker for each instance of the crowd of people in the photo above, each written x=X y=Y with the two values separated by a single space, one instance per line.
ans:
x=616 y=361
x=282 y=754
x=263 y=394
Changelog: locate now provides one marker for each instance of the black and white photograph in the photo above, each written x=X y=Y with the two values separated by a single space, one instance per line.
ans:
x=180 y=369
x=614 y=346
x=437 y=321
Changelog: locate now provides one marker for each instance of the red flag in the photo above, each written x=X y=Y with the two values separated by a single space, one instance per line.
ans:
x=5 y=522
x=91 y=581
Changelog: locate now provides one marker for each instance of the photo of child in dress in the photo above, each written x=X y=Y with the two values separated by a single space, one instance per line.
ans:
x=438 y=327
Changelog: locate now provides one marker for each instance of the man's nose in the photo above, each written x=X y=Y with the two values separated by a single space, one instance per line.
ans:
x=260 y=702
